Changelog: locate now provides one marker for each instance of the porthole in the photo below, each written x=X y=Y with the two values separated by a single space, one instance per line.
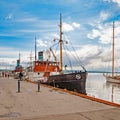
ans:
x=78 y=76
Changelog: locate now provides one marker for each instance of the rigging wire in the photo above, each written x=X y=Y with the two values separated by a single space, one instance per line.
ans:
x=73 y=55
x=77 y=58
x=55 y=44
x=68 y=58
x=56 y=47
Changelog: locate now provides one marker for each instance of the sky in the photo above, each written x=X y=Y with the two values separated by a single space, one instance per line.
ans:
x=87 y=24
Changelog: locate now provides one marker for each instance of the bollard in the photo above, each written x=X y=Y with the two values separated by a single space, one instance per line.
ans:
x=38 y=85
x=54 y=83
x=18 y=86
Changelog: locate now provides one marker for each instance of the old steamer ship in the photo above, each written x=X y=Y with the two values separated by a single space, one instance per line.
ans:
x=52 y=73
x=17 y=69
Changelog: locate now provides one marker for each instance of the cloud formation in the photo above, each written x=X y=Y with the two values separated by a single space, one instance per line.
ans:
x=89 y=27
x=70 y=27
x=115 y=1
x=9 y=16
x=104 y=33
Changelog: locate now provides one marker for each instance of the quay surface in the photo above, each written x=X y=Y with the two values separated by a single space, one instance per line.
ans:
x=49 y=104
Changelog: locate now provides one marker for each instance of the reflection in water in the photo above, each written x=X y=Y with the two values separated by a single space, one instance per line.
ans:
x=115 y=91
x=97 y=86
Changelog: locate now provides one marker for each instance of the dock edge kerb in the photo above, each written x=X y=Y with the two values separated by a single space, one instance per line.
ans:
x=80 y=95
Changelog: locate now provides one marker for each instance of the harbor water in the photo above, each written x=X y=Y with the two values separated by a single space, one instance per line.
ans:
x=96 y=86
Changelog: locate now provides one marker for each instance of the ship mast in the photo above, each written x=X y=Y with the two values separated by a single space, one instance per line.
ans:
x=31 y=59
x=35 y=50
x=61 y=41
x=18 y=61
x=113 y=52
x=19 y=57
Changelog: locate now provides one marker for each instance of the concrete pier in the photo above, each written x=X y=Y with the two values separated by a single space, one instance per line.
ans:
x=49 y=104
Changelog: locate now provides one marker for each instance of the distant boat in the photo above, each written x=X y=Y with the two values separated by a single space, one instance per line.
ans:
x=17 y=69
x=112 y=78
x=52 y=73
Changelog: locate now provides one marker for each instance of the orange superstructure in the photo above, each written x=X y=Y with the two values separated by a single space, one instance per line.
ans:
x=46 y=66
x=18 y=69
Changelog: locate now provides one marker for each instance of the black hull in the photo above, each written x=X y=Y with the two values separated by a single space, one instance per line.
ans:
x=72 y=81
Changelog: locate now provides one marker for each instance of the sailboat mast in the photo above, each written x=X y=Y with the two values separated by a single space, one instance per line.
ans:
x=113 y=51
x=61 y=41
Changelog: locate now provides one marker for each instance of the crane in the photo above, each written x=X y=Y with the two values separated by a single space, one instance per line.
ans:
x=55 y=58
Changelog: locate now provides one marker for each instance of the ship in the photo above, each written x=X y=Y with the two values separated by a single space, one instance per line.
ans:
x=114 y=77
x=52 y=73
x=18 y=69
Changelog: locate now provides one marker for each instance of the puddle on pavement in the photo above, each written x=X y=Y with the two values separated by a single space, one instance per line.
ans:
x=12 y=114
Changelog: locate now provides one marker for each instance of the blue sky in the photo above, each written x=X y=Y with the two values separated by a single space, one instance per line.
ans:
x=86 y=23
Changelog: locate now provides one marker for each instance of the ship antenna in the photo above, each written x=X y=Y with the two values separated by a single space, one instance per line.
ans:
x=35 y=49
x=61 y=41
x=19 y=56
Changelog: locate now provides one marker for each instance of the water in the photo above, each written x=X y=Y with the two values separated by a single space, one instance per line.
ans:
x=97 y=87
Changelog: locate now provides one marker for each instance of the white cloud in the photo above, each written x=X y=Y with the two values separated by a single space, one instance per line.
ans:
x=104 y=33
x=101 y=57
x=76 y=25
x=95 y=57
x=41 y=43
x=55 y=36
x=70 y=27
x=98 y=21
x=104 y=15
x=92 y=57
x=67 y=27
x=115 y=1
x=9 y=56
x=94 y=34
x=9 y=16
x=89 y=51
x=7 y=51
